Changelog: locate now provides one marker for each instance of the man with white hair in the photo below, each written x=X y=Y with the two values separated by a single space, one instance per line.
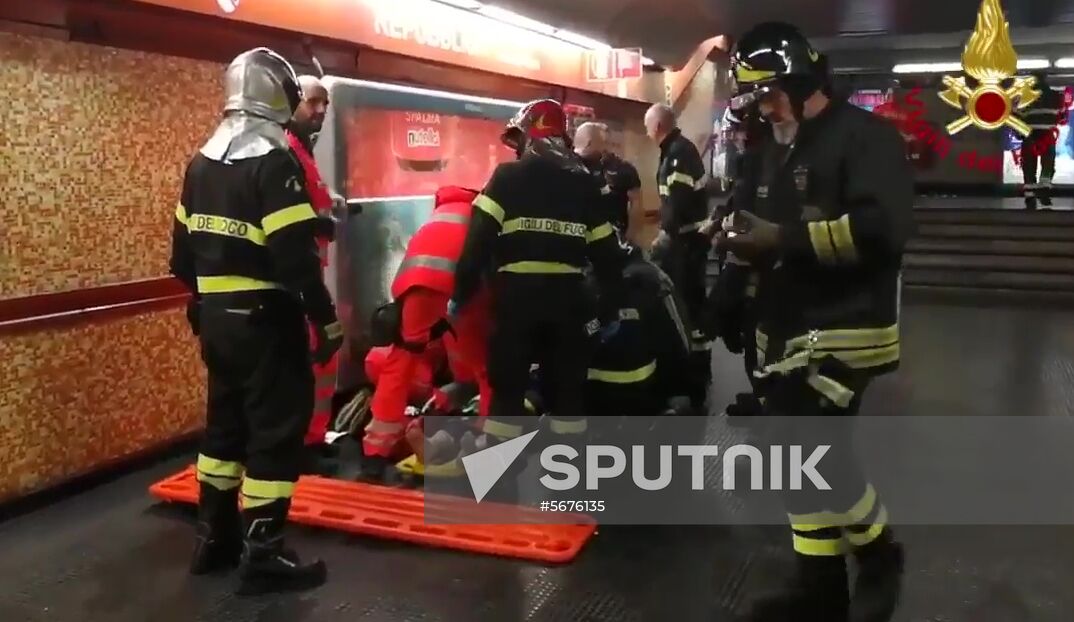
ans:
x=681 y=249
x=619 y=178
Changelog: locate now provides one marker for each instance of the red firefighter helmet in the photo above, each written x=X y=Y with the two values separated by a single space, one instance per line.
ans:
x=542 y=118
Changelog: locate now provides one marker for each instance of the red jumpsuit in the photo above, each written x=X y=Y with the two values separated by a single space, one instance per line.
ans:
x=324 y=375
x=424 y=284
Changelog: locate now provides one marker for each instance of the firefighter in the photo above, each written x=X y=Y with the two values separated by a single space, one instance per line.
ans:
x=824 y=218
x=680 y=249
x=645 y=364
x=1043 y=118
x=536 y=228
x=244 y=243
x=618 y=178
x=421 y=290
x=304 y=127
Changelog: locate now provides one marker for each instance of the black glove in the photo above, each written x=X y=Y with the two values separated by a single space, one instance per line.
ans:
x=329 y=341
x=193 y=314
x=326 y=227
x=745 y=407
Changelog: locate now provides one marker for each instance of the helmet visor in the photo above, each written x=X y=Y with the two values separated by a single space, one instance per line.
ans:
x=750 y=95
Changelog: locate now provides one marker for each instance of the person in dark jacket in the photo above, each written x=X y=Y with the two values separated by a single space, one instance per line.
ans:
x=1038 y=149
x=535 y=230
x=823 y=214
x=243 y=242
x=680 y=249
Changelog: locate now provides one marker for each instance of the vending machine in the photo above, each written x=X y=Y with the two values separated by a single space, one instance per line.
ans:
x=387 y=148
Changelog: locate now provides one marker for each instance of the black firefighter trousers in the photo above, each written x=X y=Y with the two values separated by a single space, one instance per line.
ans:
x=259 y=405
x=552 y=327
x=685 y=259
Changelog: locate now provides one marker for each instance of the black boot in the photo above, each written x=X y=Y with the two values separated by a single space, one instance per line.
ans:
x=219 y=540
x=879 y=582
x=1031 y=203
x=266 y=565
x=818 y=593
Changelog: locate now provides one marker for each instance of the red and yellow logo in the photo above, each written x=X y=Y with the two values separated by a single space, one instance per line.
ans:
x=990 y=59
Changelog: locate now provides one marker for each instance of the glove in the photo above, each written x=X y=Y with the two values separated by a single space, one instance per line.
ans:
x=329 y=341
x=449 y=398
x=745 y=407
x=193 y=315
x=750 y=236
x=608 y=331
x=326 y=226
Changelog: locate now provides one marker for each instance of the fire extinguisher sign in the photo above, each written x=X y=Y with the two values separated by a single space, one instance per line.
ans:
x=613 y=64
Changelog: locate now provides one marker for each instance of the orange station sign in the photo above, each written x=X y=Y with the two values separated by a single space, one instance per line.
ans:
x=422 y=29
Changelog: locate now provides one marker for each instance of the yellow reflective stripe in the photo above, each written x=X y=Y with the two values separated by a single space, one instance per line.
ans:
x=874 y=531
x=663 y=190
x=745 y=74
x=821 y=240
x=490 y=207
x=220 y=483
x=544 y=225
x=540 y=267
x=629 y=314
x=606 y=189
x=451 y=468
x=226 y=284
x=258 y=492
x=816 y=521
x=843 y=239
x=845 y=338
x=819 y=547
x=598 y=233
x=287 y=216
x=863 y=507
x=222 y=225
x=761 y=338
x=219 y=468
x=682 y=178
x=529 y=405
x=501 y=429
x=180 y=213
x=568 y=426
x=840 y=395
x=622 y=377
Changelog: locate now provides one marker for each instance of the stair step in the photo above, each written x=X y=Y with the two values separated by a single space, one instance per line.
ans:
x=988 y=279
x=997 y=232
x=927 y=215
x=984 y=246
x=978 y=296
x=994 y=263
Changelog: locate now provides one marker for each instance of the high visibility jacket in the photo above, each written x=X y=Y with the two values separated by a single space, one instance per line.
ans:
x=647 y=360
x=434 y=249
x=680 y=180
x=318 y=191
x=246 y=228
x=843 y=195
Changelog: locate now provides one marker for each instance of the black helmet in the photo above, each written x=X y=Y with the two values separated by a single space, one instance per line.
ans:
x=775 y=54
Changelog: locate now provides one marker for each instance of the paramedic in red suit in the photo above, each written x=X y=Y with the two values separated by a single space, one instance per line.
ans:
x=423 y=286
x=305 y=125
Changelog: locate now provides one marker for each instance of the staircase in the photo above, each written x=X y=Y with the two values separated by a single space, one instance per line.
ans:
x=1013 y=255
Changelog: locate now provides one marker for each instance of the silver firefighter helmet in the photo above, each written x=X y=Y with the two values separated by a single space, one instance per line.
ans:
x=262 y=93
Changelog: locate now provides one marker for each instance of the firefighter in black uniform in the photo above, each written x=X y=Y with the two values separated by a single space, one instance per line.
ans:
x=646 y=363
x=537 y=226
x=681 y=250
x=619 y=180
x=1042 y=117
x=826 y=213
x=243 y=243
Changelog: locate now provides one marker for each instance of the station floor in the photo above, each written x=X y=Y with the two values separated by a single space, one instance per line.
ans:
x=111 y=554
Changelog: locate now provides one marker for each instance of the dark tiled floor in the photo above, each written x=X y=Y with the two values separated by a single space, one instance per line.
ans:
x=112 y=555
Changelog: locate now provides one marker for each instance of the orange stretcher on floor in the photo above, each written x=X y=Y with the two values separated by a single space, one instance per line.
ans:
x=412 y=516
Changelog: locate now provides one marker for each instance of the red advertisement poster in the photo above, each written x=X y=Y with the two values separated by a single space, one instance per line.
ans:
x=407 y=153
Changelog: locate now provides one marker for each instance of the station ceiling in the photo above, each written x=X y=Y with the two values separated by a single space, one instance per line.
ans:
x=670 y=30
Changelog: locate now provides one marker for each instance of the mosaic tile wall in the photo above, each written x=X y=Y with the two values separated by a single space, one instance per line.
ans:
x=92 y=152
x=73 y=399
